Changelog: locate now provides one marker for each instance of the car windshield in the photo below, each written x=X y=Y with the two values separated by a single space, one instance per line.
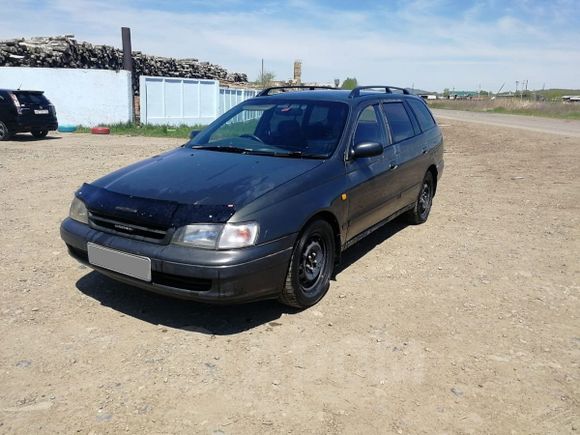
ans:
x=284 y=128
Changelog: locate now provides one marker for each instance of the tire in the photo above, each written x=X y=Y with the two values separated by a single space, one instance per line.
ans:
x=67 y=128
x=311 y=266
x=5 y=133
x=420 y=212
x=100 y=130
x=39 y=134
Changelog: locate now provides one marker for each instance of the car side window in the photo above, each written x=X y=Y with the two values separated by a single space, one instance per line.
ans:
x=422 y=114
x=368 y=128
x=399 y=121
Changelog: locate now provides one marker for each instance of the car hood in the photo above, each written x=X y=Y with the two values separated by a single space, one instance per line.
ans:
x=201 y=180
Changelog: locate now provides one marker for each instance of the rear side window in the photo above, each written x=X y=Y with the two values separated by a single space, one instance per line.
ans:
x=399 y=121
x=423 y=114
x=368 y=128
x=29 y=98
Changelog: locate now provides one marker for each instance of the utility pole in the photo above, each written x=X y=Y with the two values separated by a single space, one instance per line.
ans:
x=127 y=54
x=128 y=66
x=262 y=74
x=517 y=83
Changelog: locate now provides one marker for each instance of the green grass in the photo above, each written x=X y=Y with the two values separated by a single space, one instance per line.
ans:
x=131 y=129
x=536 y=112
x=513 y=107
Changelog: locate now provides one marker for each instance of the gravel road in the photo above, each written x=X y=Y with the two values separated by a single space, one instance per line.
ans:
x=561 y=127
x=466 y=324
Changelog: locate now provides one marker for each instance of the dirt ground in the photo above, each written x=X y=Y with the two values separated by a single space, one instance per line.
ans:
x=466 y=324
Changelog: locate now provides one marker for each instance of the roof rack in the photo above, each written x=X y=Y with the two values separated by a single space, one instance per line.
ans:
x=267 y=91
x=356 y=91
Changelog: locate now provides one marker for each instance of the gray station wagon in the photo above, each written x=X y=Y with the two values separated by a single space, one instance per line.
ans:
x=261 y=203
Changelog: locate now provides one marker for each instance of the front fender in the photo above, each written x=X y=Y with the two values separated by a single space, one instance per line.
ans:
x=286 y=209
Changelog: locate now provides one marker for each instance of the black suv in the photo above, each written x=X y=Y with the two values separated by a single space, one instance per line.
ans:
x=25 y=111
x=261 y=203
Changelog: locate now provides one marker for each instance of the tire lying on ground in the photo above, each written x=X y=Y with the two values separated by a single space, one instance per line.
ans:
x=100 y=130
x=67 y=128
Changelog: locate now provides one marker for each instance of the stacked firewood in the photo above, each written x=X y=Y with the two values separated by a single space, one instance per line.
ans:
x=66 y=52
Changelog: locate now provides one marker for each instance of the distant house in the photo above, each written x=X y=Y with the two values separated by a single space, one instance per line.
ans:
x=462 y=95
x=571 y=98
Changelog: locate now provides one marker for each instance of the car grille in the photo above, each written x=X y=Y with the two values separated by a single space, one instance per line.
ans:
x=126 y=228
x=181 y=282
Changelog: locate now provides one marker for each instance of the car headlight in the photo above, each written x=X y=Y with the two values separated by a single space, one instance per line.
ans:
x=217 y=236
x=78 y=211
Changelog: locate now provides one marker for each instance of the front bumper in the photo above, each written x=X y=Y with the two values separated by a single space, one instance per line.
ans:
x=237 y=275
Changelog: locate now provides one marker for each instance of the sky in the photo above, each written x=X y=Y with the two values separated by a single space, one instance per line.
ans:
x=431 y=45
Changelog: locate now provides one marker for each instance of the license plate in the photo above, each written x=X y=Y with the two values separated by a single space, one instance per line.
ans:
x=127 y=264
x=41 y=112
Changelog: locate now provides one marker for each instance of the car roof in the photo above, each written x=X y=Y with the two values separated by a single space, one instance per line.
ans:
x=338 y=95
x=22 y=91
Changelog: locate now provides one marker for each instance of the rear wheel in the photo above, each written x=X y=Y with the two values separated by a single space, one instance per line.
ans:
x=310 y=267
x=39 y=133
x=420 y=212
x=5 y=133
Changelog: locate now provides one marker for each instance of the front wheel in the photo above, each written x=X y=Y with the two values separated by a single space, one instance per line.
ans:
x=39 y=134
x=310 y=267
x=420 y=212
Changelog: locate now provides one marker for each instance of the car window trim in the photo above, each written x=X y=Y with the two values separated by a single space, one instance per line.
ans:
x=414 y=121
x=415 y=134
x=359 y=110
x=417 y=117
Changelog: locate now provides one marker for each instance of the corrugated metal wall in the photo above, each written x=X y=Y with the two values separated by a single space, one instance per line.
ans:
x=177 y=101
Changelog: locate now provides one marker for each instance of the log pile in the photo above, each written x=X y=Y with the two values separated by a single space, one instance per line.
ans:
x=66 y=52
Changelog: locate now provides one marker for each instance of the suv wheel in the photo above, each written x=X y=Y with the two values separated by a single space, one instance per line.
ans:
x=420 y=212
x=5 y=133
x=39 y=133
x=310 y=267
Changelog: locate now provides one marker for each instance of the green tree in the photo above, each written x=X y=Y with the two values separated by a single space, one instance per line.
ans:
x=446 y=92
x=265 y=79
x=349 y=83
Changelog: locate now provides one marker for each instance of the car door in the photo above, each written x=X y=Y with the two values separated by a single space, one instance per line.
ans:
x=406 y=135
x=371 y=193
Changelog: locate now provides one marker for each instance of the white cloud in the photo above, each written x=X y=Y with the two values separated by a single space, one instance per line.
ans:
x=385 y=45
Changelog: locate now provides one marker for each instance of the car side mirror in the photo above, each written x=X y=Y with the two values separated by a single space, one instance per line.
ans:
x=194 y=133
x=366 y=149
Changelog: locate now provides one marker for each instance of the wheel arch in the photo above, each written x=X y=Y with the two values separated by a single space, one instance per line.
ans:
x=434 y=173
x=332 y=220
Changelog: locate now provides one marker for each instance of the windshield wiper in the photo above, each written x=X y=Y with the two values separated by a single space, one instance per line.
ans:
x=223 y=148
x=298 y=154
x=241 y=150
